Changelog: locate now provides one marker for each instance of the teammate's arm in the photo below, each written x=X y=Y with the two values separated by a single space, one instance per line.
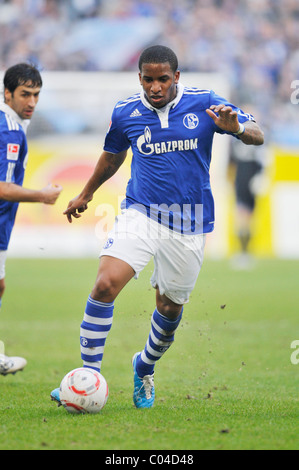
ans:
x=227 y=119
x=107 y=165
x=15 y=193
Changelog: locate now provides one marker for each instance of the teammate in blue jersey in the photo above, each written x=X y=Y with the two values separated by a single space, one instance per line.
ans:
x=22 y=85
x=168 y=209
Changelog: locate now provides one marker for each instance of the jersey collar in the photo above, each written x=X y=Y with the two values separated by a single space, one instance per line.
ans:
x=171 y=104
x=8 y=110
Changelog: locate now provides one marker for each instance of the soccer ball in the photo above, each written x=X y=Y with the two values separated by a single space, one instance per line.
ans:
x=83 y=390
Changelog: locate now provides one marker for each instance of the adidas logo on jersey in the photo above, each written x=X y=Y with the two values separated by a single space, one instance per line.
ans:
x=135 y=113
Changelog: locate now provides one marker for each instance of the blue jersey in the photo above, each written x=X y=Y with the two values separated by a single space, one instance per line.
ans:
x=13 y=153
x=171 y=149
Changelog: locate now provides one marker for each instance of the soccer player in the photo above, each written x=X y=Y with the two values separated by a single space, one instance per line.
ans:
x=22 y=85
x=168 y=209
x=248 y=164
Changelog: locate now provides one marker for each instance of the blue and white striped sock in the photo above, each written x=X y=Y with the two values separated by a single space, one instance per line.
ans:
x=94 y=330
x=160 y=339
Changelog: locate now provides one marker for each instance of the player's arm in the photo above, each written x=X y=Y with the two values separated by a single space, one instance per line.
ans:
x=15 y=193
x=107 y=165
x=252 y=135
x=227 y=119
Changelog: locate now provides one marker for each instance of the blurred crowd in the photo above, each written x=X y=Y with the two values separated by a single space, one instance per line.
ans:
x=254 y=43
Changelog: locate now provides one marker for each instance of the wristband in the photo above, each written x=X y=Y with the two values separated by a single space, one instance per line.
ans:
x=241 y=130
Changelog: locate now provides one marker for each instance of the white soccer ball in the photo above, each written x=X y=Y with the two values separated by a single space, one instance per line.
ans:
x=83 y=390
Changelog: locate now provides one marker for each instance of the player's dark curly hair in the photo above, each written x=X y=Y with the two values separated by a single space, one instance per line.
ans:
x=158 y=55
x=22 y=74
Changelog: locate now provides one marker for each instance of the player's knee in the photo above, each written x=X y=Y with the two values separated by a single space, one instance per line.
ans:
x=2 y=287
x=168 y=308
x=103 y=290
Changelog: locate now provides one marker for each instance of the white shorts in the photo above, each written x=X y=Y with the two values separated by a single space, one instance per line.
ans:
x=3 y=255
x=178 y=258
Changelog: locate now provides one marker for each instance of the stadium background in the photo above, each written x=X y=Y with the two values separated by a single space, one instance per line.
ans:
x=87 y=50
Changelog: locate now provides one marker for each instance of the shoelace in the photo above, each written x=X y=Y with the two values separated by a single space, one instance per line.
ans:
x=148 y=383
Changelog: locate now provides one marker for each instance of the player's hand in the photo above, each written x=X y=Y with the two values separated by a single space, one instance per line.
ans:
x=75 y=207
x=224 y=117
x=50 y=193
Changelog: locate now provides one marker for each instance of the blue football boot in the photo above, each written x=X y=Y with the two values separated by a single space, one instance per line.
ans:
x=55 y=396
x=144 y=390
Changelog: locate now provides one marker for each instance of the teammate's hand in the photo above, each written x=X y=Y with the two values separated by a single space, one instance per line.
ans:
x=50 y=193
x=224 y=117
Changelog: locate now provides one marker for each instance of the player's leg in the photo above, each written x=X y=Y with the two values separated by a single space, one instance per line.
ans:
x=247 y=172
x=8 y=365
x=124 y=255
x=177 y=265
x=244 y=222
x=165 y=320
x=2 y=289
x=113 y=275
x=3 y=255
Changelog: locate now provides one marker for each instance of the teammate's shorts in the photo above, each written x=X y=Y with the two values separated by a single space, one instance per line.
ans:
x=135 y=239
x=3 y=255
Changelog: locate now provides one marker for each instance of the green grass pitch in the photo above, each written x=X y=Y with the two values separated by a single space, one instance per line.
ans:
x=227 y=382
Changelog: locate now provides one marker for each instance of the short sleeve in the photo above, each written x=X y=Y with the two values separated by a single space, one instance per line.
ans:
x=116 y=140
x=11 y=153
